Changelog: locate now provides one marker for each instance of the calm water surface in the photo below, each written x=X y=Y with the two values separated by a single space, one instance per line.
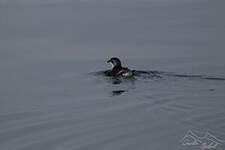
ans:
x=54 y=95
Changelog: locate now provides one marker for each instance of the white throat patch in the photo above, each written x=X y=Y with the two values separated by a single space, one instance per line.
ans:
x=111 y=64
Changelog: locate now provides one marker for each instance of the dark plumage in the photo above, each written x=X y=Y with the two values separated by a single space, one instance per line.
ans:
x=117 y=69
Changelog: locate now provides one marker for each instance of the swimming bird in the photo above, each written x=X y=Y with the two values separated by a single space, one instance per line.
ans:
x=117 y=69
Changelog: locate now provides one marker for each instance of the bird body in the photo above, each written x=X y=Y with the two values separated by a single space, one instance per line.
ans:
x=117 y=69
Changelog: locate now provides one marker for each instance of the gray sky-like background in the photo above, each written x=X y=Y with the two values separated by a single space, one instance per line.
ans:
x=34 y=30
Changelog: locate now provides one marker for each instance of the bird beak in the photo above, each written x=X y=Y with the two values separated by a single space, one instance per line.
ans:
x=108 y=61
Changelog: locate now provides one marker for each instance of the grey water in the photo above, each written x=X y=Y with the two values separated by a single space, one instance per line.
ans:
x=54 y=94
